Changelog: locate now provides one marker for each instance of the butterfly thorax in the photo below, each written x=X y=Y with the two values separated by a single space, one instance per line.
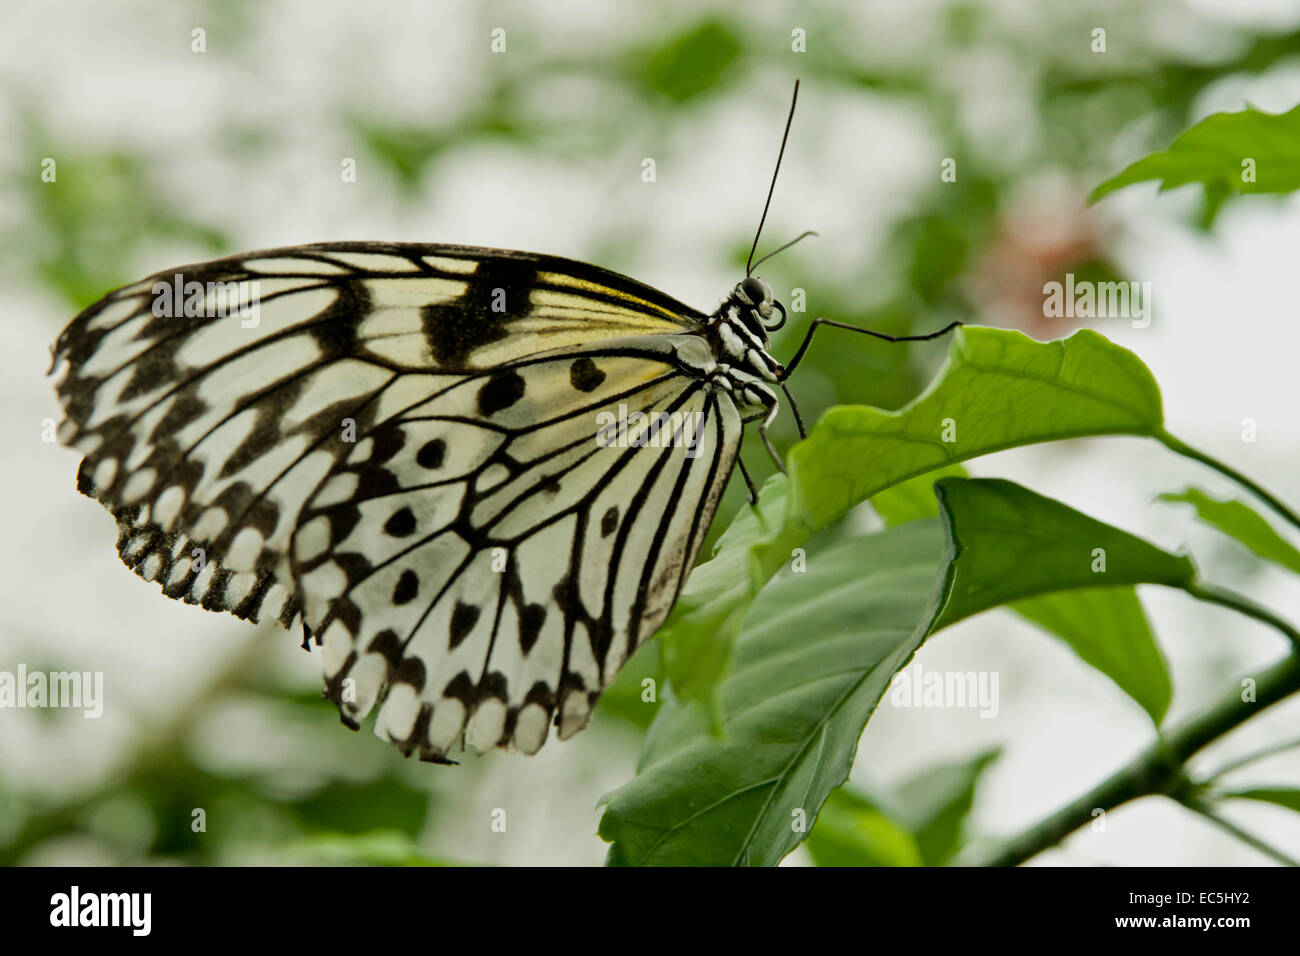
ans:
x=737 y=332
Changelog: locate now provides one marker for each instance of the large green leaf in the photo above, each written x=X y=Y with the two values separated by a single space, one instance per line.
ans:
x=1238 y=520
x=1092 y=621
x=999 y=389
x=818 y=650
x=1010 y=543
x=1213 y=153
x=1067 y=572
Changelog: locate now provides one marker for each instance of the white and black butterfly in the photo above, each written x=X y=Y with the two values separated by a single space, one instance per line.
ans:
x=409 y=446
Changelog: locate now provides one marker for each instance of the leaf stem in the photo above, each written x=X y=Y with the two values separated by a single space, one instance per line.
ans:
x=1158 y=769
x=1237 y=602
x=1187 y=451
x=1252 y=757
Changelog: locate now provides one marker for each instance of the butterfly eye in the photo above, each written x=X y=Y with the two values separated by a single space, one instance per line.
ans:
x=755 y=290
x=777 y=325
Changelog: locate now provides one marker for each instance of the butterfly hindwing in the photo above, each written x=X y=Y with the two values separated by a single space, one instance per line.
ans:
x=513 y=577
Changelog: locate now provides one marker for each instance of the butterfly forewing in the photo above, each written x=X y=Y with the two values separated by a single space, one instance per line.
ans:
x=401 y=442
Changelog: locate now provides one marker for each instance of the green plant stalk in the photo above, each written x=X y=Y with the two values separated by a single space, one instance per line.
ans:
x=1187 y=451
x=1159 y=769
x=1229 y=599
x=1252 y=757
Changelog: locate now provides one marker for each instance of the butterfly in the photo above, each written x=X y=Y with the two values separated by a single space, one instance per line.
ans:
x=478 y=477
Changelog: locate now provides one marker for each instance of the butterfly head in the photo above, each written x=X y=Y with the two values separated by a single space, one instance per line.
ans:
x=757 y=307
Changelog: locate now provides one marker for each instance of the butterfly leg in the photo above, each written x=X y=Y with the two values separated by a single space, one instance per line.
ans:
x=757 y=392
x=798 y=419
x=760 y=393
x=749 y=482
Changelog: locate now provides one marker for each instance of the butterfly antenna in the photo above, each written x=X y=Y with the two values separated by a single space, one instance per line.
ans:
x=784 y=136
x=802 y=235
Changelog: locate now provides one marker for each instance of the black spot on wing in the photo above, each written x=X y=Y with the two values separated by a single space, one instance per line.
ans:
x=335 y=331
x=388 y=441
x=584 y=375
x=463 y=619
x=408 y=586
x=530 y=625
x=497 y=295
x=431 y=454
x=410 y=671
x=500 y=392
x=401 y=524
x=388 y=644
x=609 y=522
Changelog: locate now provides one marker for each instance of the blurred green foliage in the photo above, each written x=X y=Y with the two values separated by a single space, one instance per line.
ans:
x=920 y=823
x=690 y=64
x=1210 y=153
x=106 y=206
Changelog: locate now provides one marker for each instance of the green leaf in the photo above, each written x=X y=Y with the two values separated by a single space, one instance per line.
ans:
x=1108 y=629
x=1010 y=543
x=624 y=699
x=913 y=499
x=1213 y=152
x=852 y=831
x=698 y=635
x=935 y=804
x=994 y=525
x=1288 y=797
x=1077 y=617
x=1238 y=520
x=999 y=389
x=818 y=650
